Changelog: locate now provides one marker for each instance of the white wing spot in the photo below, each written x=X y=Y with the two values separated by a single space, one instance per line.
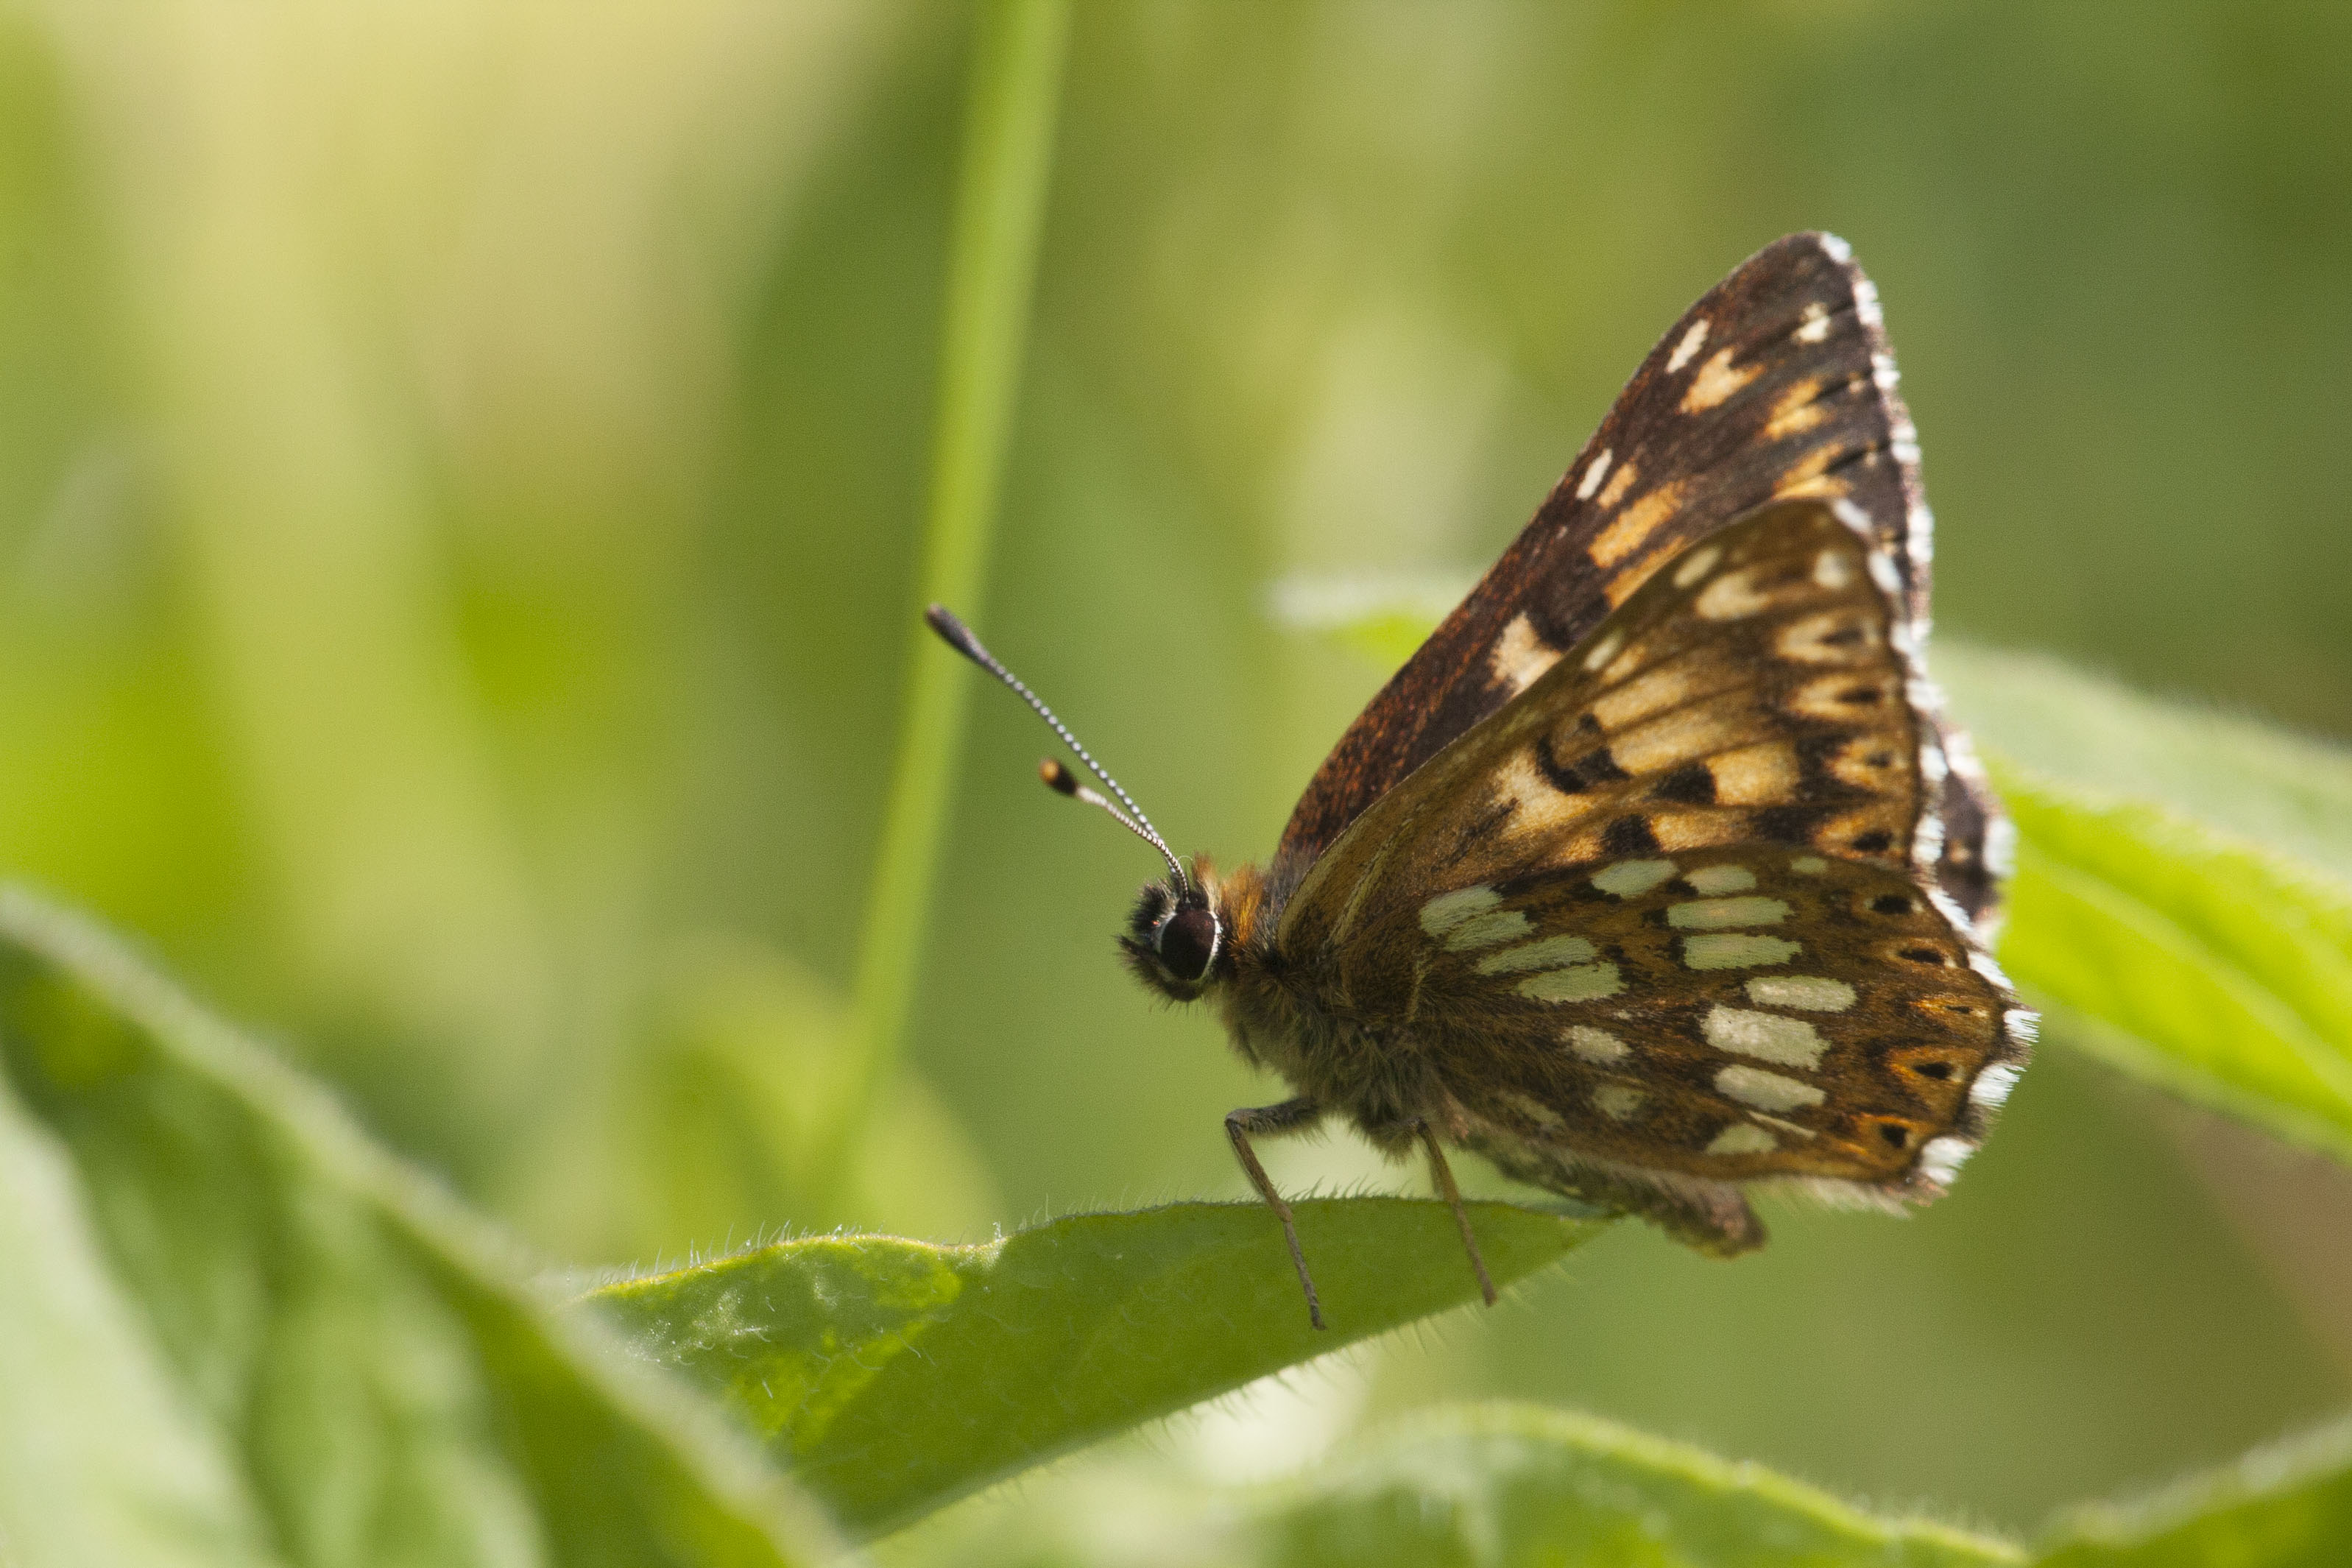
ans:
x=1598 y=1047
x=1629 y=878
x=1487 y=930
x=1831 y=570
x=1942 y=1159
x=1687 y=349
x=1807 y=993
x=1736 y=951
x=1604 y=650
x=1809 y=865
x=1697 y=564
x=1733 y=596
x=1710 y=915
x=1551 y=952
x=1617 y=1101
x=1767 y=1037
x=1815 y=326
x=1721 y=879
x=1766 y=1090
x=1594 y=474
x=2023 y=1023
x=1743 y=1138
x=1585 y=983
x=1993 y=1085
x=1520 y=657
x=1446 y=911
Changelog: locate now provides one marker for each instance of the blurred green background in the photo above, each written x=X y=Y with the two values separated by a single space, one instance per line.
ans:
x=460 y=473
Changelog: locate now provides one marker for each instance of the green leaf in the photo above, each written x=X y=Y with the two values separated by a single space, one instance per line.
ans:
x=2252 y=781
x=1513 y=1483
x=894 y=1375
x=2210 y=967
x=1482 y=1485
x=116 y=1468
x=2286 y=1506
x=2184 y=887
x=1506 y=1484
x=233 y=1330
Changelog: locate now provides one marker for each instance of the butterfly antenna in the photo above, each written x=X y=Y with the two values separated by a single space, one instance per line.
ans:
x=958 y=636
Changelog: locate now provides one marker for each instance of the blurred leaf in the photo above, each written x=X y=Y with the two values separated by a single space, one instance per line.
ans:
x=231 y=1321
x=2216 y=970
x=112 y=1466
x=2288 y=1506
x=1511 y=1483
x=2184 y=887
x=1508 y=1483
x=1479 y=1486
x=2287 y=792
x=1384 y=618
x=894 y=1375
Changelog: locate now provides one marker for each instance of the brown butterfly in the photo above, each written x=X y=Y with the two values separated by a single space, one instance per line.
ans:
x=1657 y=874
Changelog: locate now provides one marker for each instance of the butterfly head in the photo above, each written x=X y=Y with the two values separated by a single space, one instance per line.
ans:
x=1180 y=929
x=1177 y=940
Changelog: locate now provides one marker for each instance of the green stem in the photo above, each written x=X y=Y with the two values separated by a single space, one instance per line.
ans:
x=991 y=266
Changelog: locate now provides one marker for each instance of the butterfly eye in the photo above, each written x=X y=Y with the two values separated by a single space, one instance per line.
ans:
x=1186 y=942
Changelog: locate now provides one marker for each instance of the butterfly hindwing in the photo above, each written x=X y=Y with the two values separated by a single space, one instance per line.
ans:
x=1777 y=385
x=1717 y=1018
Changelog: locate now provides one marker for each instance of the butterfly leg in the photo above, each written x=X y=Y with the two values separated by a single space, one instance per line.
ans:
x=1269 y=1122
x=1443 y=1174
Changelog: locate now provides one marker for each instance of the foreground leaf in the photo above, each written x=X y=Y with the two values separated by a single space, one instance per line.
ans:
x=2286 y=1506
x=1512 y=1483
x=894 y=1375
x=1502 y=1484
x=233 y=1330
x=1485 y=1486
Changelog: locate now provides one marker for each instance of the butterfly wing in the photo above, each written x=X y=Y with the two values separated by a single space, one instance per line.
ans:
x=1753 y=1013
x=1667 y=922
x=1779 y=384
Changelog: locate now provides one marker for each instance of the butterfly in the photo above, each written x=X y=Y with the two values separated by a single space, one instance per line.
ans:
x=1657 y=875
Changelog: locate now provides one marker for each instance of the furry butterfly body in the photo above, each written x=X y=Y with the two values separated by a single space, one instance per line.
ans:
x=1656 y=873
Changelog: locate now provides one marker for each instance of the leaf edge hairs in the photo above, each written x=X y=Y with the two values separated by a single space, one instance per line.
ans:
x=1656 y=875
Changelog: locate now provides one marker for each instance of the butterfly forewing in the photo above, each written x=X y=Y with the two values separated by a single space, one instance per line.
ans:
x=1777 y=385
x=1753 y=692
